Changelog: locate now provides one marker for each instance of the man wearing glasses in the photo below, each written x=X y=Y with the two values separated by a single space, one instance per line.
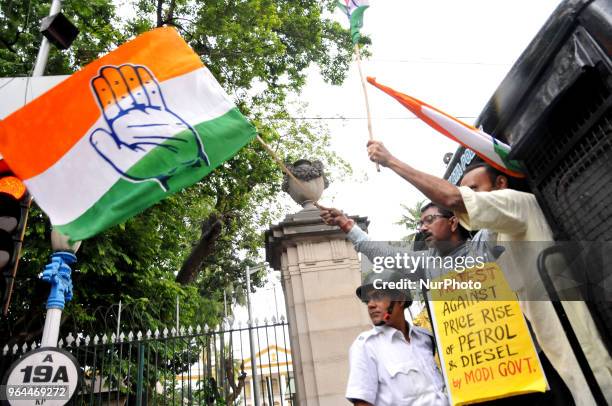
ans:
x=393 y=363
x=485 y=201
x=438 y=227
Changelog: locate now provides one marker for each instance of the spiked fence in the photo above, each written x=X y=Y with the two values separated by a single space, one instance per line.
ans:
x=192 y=366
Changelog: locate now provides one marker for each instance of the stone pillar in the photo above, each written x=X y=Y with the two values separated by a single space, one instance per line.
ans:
x=320 y=272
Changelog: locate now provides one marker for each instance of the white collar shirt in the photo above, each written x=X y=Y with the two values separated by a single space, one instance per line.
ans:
x=387 y=370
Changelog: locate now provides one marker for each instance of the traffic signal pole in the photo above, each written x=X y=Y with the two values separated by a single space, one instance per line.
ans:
x=43 y=51
x=57 y=272
x=14 y=253
x=38 y=70
x=59 y=275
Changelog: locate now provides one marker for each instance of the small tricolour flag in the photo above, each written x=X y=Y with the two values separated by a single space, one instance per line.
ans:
x=142 y=122
x=484 y=145
x=354 y=11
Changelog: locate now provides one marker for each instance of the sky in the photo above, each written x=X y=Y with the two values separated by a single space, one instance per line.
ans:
x=450 y=54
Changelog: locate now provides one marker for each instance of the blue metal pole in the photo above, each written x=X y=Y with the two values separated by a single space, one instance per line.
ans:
x=58 y=274
x=43 y=51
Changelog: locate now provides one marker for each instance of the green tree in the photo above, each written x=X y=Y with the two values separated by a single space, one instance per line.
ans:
x=198 y=242
x=410 y=219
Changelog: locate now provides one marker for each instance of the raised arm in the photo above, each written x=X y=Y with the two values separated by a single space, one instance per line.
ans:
x=436 y=189
x=362 y=241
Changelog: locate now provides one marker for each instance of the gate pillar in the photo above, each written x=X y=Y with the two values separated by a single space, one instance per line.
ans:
x=320 y=271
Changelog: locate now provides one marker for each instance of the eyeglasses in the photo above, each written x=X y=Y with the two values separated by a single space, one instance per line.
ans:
x=429 y=219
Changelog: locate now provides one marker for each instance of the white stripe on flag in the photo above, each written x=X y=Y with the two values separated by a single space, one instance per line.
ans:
x=353 y=4
x=80 y=178
x=475 y=140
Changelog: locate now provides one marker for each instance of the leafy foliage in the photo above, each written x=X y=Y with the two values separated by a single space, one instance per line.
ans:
x=410 y=219
x=259 y=51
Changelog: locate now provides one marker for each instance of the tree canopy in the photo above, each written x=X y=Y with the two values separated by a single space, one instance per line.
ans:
x=196 y=243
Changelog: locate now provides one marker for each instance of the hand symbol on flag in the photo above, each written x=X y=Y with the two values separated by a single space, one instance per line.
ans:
x=144 y=140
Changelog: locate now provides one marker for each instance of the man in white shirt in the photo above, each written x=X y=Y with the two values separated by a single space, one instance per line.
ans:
x=393 y=363
x=486 y=202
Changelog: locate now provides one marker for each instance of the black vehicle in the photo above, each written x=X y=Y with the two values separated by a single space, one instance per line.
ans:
x=555 y=109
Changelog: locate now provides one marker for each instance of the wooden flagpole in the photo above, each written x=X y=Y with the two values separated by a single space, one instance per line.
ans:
x=365 y=95
x=281 y=164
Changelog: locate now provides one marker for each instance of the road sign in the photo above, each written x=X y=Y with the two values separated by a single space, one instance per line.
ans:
x=46 y=376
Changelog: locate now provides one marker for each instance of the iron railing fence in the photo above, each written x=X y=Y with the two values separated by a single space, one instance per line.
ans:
x=189 y=366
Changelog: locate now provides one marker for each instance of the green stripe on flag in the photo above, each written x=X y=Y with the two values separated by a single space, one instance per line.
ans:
x=355 y=19
x=511 y=164
x=222 y=137
x=357 y=23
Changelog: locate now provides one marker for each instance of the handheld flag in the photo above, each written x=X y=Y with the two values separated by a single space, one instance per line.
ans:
x=142 y=122
x=354 y=11
x=493 y=151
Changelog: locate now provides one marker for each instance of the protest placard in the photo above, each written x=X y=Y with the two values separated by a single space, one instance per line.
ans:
x=483 y=341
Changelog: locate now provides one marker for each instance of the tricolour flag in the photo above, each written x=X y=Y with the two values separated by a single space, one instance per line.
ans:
x=354 y=11
x=484 y=145
x=142 y=122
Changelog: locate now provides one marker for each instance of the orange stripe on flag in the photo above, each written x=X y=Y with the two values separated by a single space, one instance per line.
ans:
x=416 y=105
x=35 y=137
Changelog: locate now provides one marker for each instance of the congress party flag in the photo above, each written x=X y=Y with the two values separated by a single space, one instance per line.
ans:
x=354 y=11
x=132 y=127
x=484 y=145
